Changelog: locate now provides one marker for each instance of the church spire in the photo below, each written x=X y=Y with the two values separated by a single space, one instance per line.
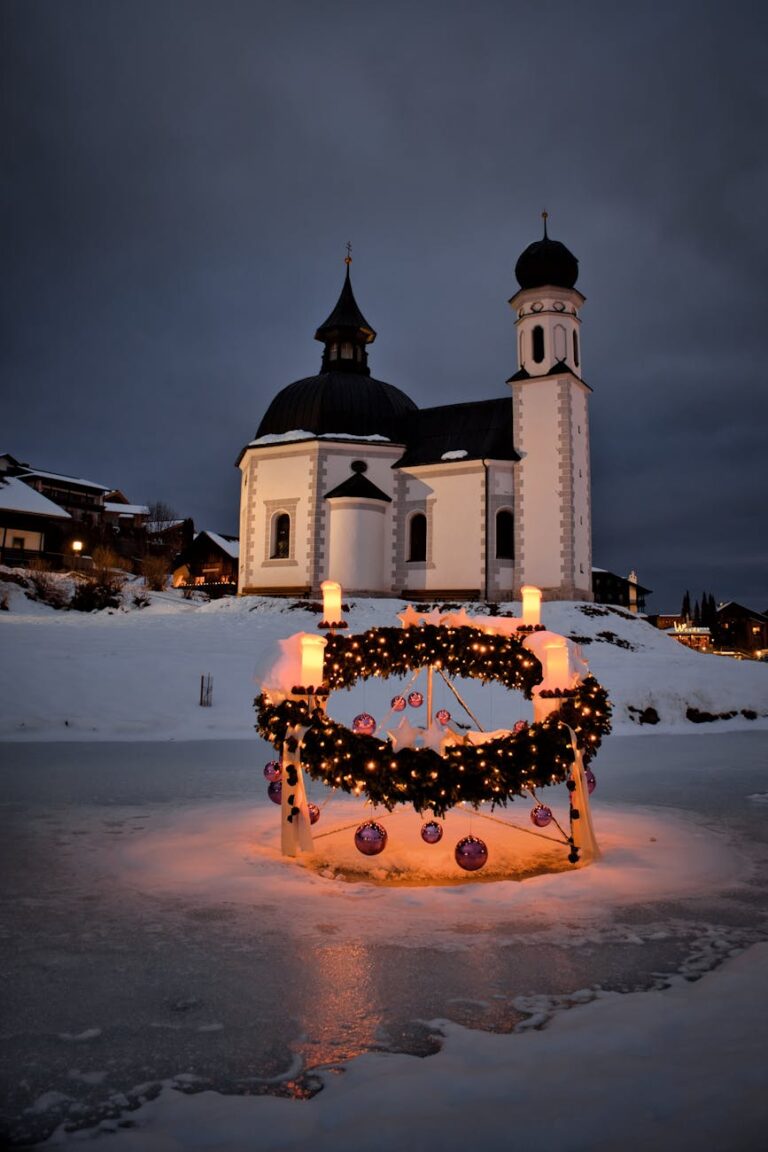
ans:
x=346 y=332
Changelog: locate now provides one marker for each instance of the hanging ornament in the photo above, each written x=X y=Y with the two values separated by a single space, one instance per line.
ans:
x=364 y=724
x=275 y=791
x=471 y=853
x=314 y=813
x=371 y=838
x=431 y=832
x=443 y=715
x=415 y=699
x=591 y=780
x=541 y=815
x=398 y=704
x=520 y=726
x=273 y=770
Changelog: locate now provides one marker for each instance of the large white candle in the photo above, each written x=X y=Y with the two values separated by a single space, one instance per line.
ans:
x=312 y=655
x=557 y=668
x=531 y=604
x=331 y=601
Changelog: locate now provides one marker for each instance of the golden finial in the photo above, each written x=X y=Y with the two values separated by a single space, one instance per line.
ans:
x=348 y=257
x=545 y=217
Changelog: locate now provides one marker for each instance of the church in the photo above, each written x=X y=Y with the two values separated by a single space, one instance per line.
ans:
x=347 y=479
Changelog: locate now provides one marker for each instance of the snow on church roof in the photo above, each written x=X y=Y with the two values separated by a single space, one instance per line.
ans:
x=300 y=434
x=479 y=429
x=16 y=496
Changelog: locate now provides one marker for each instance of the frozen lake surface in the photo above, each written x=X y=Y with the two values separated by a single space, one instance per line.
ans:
x=116 y=978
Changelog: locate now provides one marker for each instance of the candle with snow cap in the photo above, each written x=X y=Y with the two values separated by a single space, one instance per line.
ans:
x=531 y=604
x=331 y=590
x=557 y=665
x=312 y=656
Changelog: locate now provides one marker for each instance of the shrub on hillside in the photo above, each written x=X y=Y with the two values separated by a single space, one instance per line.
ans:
x=102 y=587
x=44 y=586
x=154 y=569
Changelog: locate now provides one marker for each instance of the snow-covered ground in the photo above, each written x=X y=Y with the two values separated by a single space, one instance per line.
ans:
x=170 y=980
x=135 y=674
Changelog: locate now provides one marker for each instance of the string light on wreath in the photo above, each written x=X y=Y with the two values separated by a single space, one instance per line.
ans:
x=394 y=771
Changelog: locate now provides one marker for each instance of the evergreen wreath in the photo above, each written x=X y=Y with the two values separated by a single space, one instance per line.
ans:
x=497 y=771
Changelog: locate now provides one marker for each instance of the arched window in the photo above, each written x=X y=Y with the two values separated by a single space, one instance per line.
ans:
x=575 y=347
x=281 y=536
x=537 y=337
x=505 y=535
x=417 y=537
x=346 y=351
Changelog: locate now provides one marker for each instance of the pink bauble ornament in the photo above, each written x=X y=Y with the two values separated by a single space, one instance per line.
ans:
x=275 y=791
x=431 y=832
x=398 y=703
x=314 y=813
x=541 y=815
x=471 y=853
x=415 y=699
x=442 y=715
x=591 y=780
x=364 y=724
x=520 y=726
x=370 y=838
x=273 y=770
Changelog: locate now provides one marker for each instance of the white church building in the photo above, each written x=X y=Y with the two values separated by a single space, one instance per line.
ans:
x=348 y=480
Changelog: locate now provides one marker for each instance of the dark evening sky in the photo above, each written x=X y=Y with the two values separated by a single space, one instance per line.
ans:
x=179 y=181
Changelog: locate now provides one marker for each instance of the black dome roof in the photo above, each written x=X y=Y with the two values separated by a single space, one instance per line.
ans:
x=547 y=262
x=342 y=402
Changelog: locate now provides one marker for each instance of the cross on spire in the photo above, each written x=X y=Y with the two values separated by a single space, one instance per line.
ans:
x=348 y=257
x=545 y=217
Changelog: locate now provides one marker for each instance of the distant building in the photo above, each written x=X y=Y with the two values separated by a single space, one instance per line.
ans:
x=624 y=591
x=27 y=520
x=209 y=564
x=742 y=630
x=347 y=479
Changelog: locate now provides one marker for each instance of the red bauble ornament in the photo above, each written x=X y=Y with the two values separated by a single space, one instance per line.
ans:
x=591 y=780
x=275 y=791
x=471 y=853
x=442 y=715
x=371 y=838
x=273 y=770
x=431 y=832
x=314 y=813
x=364 y=724
x=415 y=699
x=520 y=726
x=541 y=815
x=398 y=703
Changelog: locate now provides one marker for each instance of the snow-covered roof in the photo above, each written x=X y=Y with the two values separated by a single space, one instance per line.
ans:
x=456 y=454
x=231 y=547
x=127 y=509
x=68 y=479
x=16 y=496
x=300 y=434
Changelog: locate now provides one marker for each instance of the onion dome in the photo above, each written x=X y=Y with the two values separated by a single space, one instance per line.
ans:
x=547 y=262
x=344 y=398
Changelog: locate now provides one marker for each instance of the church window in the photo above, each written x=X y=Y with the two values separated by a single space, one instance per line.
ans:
x=537 y=337
x=417 y=537
x=505 y=535
x=346 y=351
x=576 y=348
x=281 y=536
x=334 y=351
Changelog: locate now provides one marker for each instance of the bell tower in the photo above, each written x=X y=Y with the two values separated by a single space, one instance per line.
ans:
x=553 y=515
